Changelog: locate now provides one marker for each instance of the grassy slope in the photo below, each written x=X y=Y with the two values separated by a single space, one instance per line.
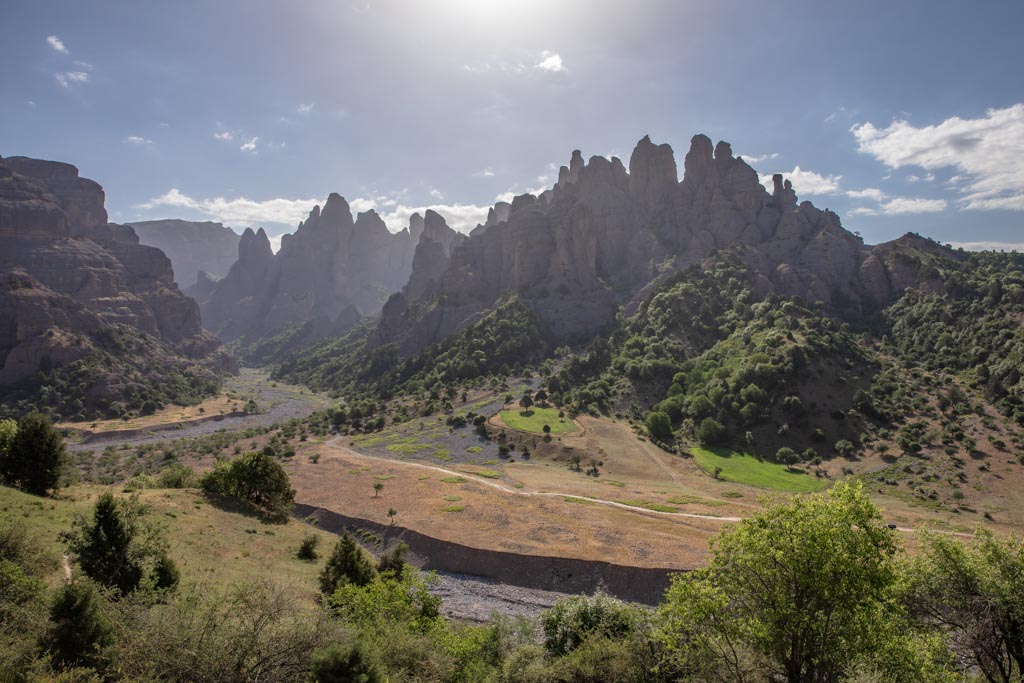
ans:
x=746 y=469
x=210 y=545
x=533 y=421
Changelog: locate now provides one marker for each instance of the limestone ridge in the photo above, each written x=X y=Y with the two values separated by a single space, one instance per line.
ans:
x=191 y=246
x=68 y=278
x=330 y=264
x=602 y=236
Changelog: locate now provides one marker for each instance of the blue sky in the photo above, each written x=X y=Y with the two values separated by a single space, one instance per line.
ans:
x=899 y=115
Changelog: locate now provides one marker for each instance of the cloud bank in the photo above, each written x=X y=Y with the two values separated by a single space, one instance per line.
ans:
x=985 y=153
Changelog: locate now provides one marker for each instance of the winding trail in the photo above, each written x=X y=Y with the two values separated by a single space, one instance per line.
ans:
x=335 y=443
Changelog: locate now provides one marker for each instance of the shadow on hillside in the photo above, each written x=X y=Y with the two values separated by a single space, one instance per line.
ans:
x=241 y=507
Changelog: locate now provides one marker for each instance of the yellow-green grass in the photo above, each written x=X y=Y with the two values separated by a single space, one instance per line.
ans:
x=741 y=468
x=210 y=545
x=533 y=421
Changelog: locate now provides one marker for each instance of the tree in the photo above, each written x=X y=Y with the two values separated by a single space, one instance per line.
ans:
x=35 y=459
x=348 y=563
x=710 y=431
x=307 y=548
x=573 y=620
x=255 y=478
x=801 y=586
x=116 y=549
x=547 y=430
x=79 y=631
x=972 y=593
x=391 y=513
x=541 y=396
x=526 y=402
x=787 y=456
x=8 y=430
x=394 y=560
x=378 y=486
x=659 y=425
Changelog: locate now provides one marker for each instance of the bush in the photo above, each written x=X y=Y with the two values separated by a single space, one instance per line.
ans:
x=344 y=664
x=575 y=619
x=307 y=548
x=80 y=630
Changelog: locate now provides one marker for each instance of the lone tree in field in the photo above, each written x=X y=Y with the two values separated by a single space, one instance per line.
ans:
x=377 y=488
x=526 y=402
x=35 y=458
x=253 y=477
x=391 y=513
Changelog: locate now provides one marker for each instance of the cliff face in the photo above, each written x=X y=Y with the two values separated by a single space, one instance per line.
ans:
x=330 y=264
x=192 y=247
x=603 y=235
x=73 y=286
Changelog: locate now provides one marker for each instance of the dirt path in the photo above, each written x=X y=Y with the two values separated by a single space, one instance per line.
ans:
x=336 y=444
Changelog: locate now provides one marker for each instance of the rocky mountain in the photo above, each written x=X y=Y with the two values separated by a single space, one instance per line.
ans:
x=192 y=247
x=331 y=264
x=604 y=237
x=86 y=307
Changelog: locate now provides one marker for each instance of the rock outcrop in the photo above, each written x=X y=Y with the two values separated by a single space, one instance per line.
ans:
x=73 y=286
x=191 y=246
x=603 y=237
x=329 y=264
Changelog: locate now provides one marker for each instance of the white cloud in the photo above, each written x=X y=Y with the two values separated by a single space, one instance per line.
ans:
x=137 y=140
x=83 y=65
x=988 y=246
x=899 y=206
x=872 y=193
x=986 y=152
x=862 y=211
x=550 y=61
x=225 y=136
x=807 y=183
x=758 y=159
x=305 y=108
x=486 y=173
x=239 y=211
x=69 y=78
x=436 y=194
x=57 y=44
x=926 y=178
x=249 y=145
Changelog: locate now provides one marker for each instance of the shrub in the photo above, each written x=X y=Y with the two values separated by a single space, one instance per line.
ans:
x=80 y=630
x=348 y=563
x=307 y=548
x=35 y=458
x=710 y=431
x=252 y=477
x=659 y=425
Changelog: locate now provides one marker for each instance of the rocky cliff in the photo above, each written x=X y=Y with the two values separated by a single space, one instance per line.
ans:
x=81 y=295
x=192 y=247
x=329 y=265
x=604 y=236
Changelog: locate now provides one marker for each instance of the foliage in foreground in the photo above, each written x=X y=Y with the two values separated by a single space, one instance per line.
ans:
x=810 y=590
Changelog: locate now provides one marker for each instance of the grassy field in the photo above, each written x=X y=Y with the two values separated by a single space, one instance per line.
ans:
x=746 y=469
x=533 y=421
x=210 y=545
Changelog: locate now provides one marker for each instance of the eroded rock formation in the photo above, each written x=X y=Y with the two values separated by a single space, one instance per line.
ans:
x=191 y=246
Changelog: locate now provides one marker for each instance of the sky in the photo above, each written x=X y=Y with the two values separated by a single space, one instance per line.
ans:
x=900 y=116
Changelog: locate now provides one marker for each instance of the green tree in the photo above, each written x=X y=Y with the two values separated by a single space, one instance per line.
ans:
x=973 y=594
x=80 y=631
x=378 y=486
x=35 y=458
x=8 y=430
x=787 y=456
x=710 y=431
x=573 y=620
x=801 y=585
x=391 y=513
x=526 y=402
x=255 y=478
x=347 y=564
x=659 y=425
x=116 y=549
